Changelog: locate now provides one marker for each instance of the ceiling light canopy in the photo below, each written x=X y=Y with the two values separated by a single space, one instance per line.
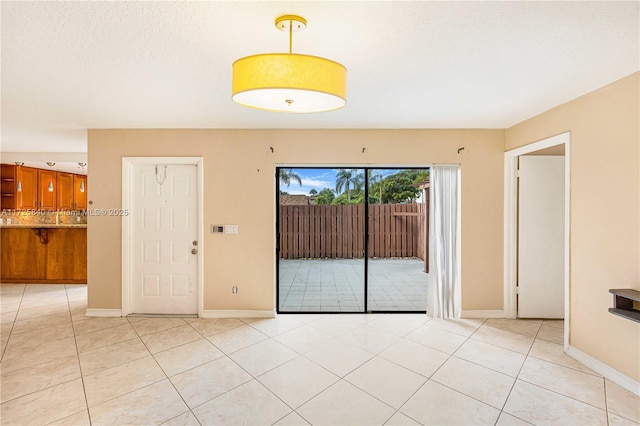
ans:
x=289 y=82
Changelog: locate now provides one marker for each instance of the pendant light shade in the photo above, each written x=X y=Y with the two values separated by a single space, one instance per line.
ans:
x=50 y=187
x=82 y=166
x=288 y=82
x=285 y=82
x=19 y=185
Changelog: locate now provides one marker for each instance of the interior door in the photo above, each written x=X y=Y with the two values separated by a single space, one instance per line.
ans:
x=164 y=236
x=541 y=237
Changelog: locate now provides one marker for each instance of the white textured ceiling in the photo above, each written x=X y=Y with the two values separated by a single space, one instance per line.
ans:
x=70 y=66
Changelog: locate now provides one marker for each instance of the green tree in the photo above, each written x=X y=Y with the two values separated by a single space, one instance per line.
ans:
x=401 y=187
x=349 y=179
x=375 y=186
x=313 y=192
x=325 y=196
x=288 y=175
x=357 y=197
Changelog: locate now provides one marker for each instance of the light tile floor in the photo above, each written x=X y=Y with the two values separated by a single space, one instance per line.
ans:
x=59 y=367
x=337 y=285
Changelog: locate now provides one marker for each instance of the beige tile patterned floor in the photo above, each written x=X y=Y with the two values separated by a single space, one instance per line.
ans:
x=59 y=367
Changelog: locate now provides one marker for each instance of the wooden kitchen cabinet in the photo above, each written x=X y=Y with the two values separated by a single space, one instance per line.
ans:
x=28 y=196
x=69 y=189
x=23 y=256
x=19 y=187
x=67 y=255
x=8 y=182
x=47 y=199
x=43 y=255
x=65 y=191
x=79 y=192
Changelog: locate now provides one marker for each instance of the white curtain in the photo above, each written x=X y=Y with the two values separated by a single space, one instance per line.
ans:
x=443 y=299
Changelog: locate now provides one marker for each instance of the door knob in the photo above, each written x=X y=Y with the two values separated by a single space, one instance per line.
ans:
x=194 y=251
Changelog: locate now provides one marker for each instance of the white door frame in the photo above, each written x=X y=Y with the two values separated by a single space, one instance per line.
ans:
x=128 y=164
x=511 y=223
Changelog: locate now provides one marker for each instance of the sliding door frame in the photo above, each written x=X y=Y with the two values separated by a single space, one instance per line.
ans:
x=365 y=230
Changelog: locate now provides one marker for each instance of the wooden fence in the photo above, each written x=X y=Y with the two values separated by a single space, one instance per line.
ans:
x=337 y=232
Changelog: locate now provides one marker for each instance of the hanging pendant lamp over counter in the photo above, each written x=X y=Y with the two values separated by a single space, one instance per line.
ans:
x=289 y=82
x=50 y=186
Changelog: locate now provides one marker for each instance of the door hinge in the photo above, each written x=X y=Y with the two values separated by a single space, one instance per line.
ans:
x=517 y=173
x=517 y=290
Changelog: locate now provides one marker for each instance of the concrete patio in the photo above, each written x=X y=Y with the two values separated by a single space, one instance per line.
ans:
x=337 y=285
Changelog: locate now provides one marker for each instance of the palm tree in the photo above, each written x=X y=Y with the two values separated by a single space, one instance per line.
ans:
x=348 y=179
x=288 y=175
x=376 y=178
x=313 y=192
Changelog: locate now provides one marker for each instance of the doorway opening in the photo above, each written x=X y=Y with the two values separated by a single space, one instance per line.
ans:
x=537 y=222
x=352 y=240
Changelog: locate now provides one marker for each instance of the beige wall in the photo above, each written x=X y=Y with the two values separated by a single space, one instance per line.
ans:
x=605 y=213
x=239 y=176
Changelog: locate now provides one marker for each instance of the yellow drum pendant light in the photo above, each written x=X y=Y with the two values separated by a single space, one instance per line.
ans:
x=289 y=82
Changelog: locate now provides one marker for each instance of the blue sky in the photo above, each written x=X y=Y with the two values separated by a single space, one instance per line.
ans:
x=317 y=179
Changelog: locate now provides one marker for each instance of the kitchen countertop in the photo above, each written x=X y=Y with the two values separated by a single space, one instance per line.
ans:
x=43 y=225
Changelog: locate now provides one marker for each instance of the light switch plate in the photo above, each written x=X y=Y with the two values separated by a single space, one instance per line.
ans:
x=217 y=229
x=231 y=229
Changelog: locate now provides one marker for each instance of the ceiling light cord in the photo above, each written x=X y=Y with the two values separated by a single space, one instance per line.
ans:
x=290 y=36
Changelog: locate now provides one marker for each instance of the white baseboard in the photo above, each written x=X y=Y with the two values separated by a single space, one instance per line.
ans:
x=105 y=313
x=239 y=314
x=609 y=372
x=498 y=313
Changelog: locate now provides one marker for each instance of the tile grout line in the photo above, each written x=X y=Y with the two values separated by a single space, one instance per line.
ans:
x=343 y=378
x=162 y=369
x=68 y=381
x=561 y=394
x=84 y=390
x=420 y=387
x=303 y=355
x=239 y=366
x=298 y=355
x=606 y=405
x=143 y=387
x=42 y=363
x=244 y=383
x=24 y=289
x=462 y=393
x=518 y=375
x=565 y=366
x=551 y=390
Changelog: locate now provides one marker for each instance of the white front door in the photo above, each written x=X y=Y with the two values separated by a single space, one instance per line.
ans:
x=541 y=195
x=164 y=213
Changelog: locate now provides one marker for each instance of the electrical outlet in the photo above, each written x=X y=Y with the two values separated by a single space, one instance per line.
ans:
x=234 y=289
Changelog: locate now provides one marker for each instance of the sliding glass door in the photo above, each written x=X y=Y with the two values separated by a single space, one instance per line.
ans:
x=351 y=240
x=398 y=240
